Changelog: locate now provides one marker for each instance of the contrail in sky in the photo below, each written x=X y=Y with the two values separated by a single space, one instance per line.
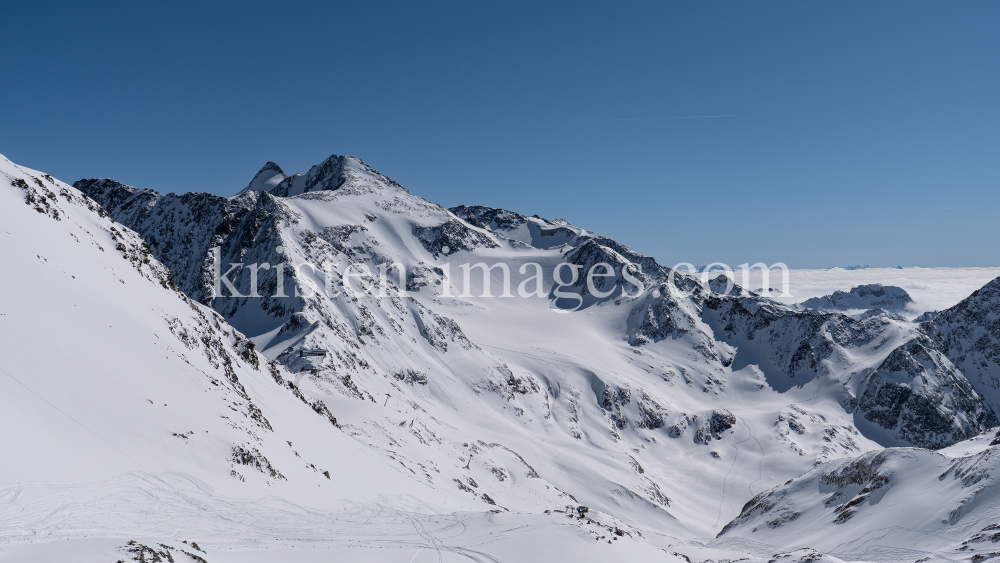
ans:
x=659 y=118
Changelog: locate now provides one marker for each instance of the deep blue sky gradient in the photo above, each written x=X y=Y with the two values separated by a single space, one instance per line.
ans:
x=852 y=132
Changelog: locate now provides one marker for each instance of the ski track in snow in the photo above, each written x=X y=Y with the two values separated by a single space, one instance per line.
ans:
x=725 y=481
x=760 y=464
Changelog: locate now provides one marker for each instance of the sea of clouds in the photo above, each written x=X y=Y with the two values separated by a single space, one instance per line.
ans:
x=932 y=289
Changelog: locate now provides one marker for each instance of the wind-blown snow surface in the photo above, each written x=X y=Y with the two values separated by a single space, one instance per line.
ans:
x=463 y=424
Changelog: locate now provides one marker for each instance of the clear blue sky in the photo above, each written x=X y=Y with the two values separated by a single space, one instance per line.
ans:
x=854 y=132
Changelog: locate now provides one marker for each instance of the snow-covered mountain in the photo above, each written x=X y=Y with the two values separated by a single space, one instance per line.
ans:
x=901 y=504
x=134 y=411
x=969 y=334
x=436 y=401
x=863 y=297
x=904 y=390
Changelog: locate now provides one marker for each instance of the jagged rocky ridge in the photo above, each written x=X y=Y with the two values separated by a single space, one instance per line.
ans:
x=969 y=335
x=913 y=395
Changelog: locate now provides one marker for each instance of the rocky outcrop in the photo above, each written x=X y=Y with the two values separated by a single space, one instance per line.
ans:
x=919 y=397
x=969 y=334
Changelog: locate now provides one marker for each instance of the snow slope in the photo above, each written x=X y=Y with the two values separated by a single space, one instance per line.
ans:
x=901 y=504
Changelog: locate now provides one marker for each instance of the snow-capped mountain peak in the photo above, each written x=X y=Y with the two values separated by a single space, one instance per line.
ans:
x=337 y=172
x=269 y=176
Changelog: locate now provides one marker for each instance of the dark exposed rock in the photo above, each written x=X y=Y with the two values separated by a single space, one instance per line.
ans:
x=493 y=218
x=721 y=421
x=454 y=235
x=256 y=460
x=915 y=394
x=969 y=334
